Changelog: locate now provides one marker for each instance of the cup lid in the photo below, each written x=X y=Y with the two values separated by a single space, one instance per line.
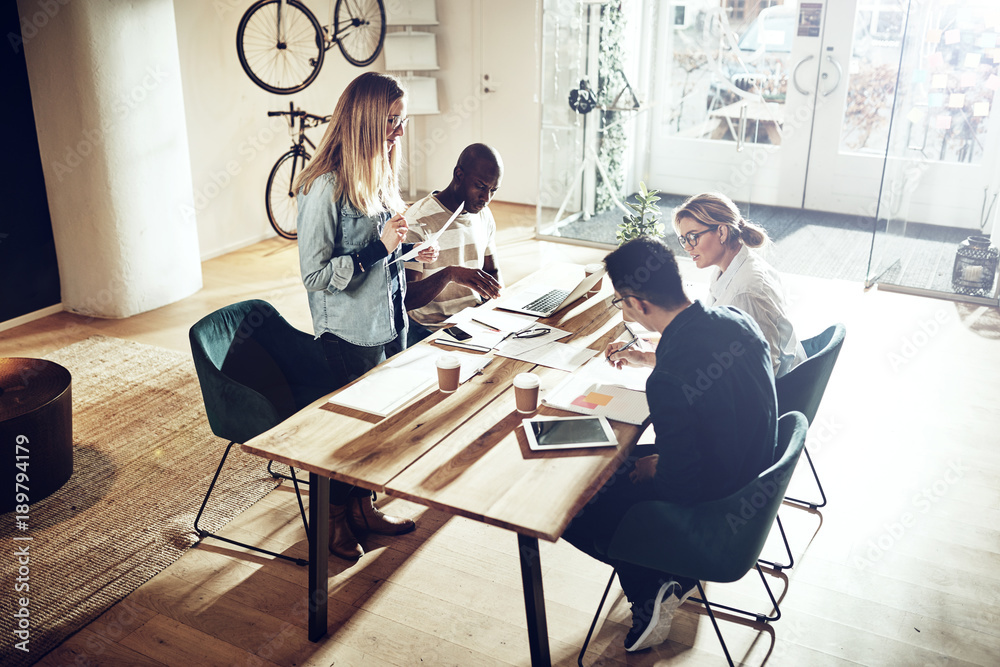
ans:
x=526 y=380
x=448 y=361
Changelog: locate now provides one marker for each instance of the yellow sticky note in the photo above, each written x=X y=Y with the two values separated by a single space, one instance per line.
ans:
x=939 y=81
x=956 y=100
x=933 y=36
x=916 y=116
x=597 y=399
x=972 y=60
x=981 y=109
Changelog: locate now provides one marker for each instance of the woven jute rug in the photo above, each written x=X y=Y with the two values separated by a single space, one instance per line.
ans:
x=143 y=458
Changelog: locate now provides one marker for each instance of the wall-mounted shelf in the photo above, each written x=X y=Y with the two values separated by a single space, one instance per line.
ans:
x=414 y=12
x=408 y=51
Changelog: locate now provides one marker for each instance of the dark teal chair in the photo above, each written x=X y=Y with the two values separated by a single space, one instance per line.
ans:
x=719 y=540
x=255 y=371
x=802 y=388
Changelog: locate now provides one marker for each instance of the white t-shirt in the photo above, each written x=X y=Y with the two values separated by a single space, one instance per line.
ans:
x=754 y=286
x=469 y=240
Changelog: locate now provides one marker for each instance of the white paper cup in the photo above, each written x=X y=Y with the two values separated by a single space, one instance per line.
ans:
x=590 y=270
x=448 y=367
x=526 y=386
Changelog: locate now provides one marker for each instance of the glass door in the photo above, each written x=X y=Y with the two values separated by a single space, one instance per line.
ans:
x=938 y=202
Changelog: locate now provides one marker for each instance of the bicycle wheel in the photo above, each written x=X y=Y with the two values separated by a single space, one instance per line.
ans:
x=360 y=29
x=281 y=67
x=282 y=209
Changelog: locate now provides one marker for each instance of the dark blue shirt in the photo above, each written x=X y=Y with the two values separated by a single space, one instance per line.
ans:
x=712 y=403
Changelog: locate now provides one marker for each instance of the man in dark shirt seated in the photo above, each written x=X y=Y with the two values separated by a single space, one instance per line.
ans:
x=712 y=405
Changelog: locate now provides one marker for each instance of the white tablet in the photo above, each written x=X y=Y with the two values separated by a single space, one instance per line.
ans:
x=545 y=433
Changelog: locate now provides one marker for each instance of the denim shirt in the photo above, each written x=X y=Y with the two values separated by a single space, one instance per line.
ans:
x=355 y=306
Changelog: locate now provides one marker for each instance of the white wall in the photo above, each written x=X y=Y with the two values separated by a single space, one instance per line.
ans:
x=106 y=91
x=233 y=144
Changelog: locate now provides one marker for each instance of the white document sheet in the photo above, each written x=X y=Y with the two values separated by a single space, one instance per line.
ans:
x=599 y=389
x=561 y=356
x=432 y=238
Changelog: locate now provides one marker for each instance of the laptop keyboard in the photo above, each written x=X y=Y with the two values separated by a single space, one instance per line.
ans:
x=548 y=302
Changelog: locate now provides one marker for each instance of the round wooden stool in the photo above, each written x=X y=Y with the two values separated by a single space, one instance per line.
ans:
x=36 y=427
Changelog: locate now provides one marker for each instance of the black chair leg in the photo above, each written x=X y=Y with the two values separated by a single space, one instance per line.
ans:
x=281 y=475
x=791 y=560
x=758 y=617
x=586 y=642
x=809 y=503
x=715 y=623
x=205 y=533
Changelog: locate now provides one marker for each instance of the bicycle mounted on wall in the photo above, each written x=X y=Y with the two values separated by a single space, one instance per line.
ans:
x=281 y=44
x=282 y=208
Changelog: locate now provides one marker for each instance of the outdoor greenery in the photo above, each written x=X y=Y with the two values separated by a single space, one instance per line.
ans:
x=610 y=83
x=646 y=222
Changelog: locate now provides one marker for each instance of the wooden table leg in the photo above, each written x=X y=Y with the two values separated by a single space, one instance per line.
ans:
x=319 y=529
x=534 y=600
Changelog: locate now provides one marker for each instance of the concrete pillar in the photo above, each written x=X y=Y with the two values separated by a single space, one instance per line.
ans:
x=106 y=90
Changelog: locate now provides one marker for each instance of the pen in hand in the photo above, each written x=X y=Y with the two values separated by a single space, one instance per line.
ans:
x=635 y=339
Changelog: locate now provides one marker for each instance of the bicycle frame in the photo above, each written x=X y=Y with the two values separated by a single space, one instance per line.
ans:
x=328 y=39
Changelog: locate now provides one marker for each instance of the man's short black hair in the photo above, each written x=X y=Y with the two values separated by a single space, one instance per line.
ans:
x=646 y=268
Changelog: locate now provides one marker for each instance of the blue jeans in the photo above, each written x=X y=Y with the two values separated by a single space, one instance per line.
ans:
x=417 y=332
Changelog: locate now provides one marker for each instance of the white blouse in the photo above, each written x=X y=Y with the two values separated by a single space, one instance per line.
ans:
x=754 y=286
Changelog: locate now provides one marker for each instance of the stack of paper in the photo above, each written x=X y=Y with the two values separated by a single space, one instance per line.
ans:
x=410 y=374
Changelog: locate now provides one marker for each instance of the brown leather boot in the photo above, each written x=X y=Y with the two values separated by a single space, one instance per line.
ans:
x=365 y=517
x=343 y=543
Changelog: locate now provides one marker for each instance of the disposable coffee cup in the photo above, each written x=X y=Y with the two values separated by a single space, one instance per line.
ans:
x=526 y=392
x=590 y=270
x=448 y=367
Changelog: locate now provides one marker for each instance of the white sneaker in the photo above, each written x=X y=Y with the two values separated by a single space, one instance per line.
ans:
x=651 y=623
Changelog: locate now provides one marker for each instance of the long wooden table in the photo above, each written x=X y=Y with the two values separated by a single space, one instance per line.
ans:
x=462 y=453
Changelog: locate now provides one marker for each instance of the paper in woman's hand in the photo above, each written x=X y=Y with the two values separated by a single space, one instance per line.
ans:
x=430 y=240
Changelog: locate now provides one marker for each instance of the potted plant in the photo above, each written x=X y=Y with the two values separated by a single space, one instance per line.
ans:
x=646 y=222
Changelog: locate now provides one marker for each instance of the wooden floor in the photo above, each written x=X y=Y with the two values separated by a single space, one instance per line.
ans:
x=901 y=568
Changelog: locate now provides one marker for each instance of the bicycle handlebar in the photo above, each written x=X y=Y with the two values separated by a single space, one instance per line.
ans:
x=297 y=113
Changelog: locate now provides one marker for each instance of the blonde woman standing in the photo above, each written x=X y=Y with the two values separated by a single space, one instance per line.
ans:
x=350 y=234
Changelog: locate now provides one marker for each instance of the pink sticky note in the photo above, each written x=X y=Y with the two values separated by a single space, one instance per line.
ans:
x=943 y=121
x=953 y=37
x=993 y=83
x=583 y=403
x=956 y=101
x=935 y=60
x=968 y=79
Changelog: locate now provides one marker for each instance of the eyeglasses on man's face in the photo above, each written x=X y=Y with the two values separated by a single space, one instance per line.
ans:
x=396 y=122
x=617 y=303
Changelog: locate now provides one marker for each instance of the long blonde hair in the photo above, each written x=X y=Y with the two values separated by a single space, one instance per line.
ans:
x=714 y=209
x=353 y=147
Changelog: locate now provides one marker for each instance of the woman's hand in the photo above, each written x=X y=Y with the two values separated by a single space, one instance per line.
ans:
x=394 y=232
x=430 y=253
x=630 y=357
x=645 y=469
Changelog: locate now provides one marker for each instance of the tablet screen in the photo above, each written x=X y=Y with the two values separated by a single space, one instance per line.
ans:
x=569 y=432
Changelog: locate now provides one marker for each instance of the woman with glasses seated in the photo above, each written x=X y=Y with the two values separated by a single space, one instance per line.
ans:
x=350 y=234
x=712 y=231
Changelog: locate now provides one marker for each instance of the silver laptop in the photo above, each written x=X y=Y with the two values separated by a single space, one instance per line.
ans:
x=543 y=301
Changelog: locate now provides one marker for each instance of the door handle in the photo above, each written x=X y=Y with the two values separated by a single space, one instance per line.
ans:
x=840 y=75
x=795 y=75
x=742 y=125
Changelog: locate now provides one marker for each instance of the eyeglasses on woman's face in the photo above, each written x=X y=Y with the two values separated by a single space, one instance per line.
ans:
x=691 y=238
x=396 y=122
